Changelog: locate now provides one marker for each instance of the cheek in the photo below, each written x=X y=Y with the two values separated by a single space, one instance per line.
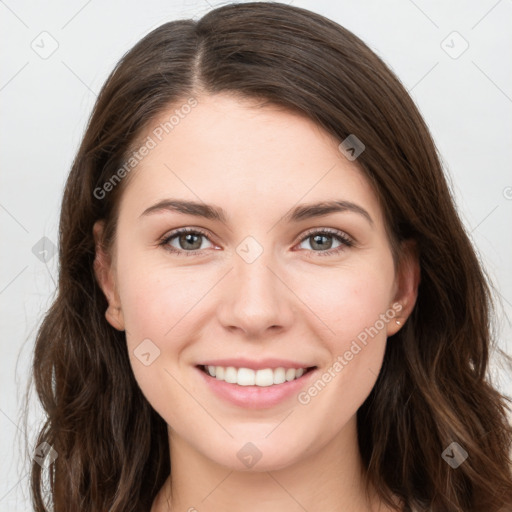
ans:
x=155 y=297
x=349 y=299
x=158 y=308
x=357 y=309
x=353 y=306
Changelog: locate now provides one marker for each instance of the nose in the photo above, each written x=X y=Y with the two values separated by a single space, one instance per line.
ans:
x=255 y=300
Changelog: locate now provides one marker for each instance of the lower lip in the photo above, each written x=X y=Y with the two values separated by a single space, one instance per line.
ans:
x=256 y=397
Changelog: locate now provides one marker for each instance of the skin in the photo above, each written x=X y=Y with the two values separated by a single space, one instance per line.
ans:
x=294 y=301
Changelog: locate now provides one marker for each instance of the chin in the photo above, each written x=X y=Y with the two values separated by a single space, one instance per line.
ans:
x=256 y=456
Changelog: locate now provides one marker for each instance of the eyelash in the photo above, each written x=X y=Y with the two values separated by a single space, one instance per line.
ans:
x=339 y=235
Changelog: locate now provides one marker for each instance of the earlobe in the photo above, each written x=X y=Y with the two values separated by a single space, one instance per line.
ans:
x=104 y=273
x=408 y=280
x=114 y=316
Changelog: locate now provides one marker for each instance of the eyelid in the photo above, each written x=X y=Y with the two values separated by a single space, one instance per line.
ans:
x=329 y=231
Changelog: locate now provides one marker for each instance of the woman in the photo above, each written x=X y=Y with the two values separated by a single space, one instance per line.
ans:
x=206 y=351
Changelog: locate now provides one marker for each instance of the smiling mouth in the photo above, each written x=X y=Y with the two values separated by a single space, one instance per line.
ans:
x=261 y=378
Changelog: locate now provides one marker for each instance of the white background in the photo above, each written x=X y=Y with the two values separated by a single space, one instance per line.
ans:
x=45 y=103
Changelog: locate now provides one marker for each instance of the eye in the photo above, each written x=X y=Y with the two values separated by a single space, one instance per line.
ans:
x=189 y=241
x=322 y=240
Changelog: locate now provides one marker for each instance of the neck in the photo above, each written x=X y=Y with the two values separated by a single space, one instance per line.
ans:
x=331 y=478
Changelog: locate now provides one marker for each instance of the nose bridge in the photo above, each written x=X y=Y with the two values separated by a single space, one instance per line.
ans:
x=257 y=299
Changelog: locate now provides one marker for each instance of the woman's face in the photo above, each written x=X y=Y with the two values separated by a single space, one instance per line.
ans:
x=266 y=281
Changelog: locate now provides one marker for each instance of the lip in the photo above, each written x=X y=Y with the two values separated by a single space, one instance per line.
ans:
x=256 y=397
x=256 y=365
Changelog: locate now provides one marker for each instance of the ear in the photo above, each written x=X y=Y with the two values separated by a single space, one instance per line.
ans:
x=407 y=282
x=105 y=275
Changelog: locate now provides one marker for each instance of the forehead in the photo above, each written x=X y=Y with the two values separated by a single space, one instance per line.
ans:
x=245 y=158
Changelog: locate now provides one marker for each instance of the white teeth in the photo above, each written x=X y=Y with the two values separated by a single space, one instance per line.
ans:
x=264 y=377
x=249 y=377
x=230 y=375
x=245 y=377
x=219 y=372
x=279 y=375
x=290 y=374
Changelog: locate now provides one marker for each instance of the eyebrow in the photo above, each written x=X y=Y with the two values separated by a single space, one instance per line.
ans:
x=302 y=212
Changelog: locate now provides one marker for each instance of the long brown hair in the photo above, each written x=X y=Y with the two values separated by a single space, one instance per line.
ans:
x=433 y=389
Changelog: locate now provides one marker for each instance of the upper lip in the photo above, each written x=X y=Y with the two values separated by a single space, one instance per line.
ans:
x=256 y=365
